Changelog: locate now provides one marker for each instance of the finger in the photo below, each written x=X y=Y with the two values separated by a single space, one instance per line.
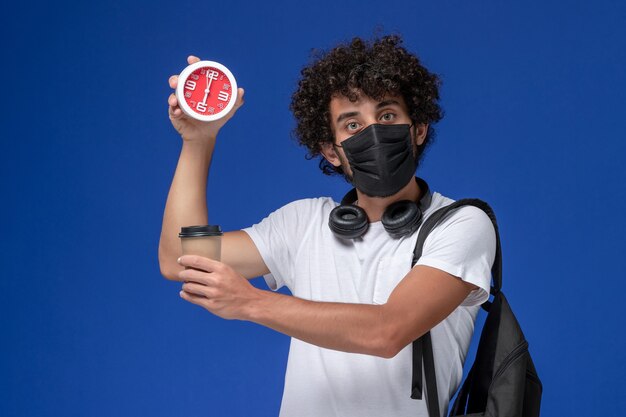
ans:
x=194 y=299
x=191 y=59
x=200 y=262
x=173 y=81
x=196 y=275
x=172 y=101
x=175 y=112
x=198 y=289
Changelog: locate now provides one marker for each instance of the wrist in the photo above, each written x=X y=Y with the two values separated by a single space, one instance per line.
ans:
x=200 y=146
x=203 y=139
x=258 y=307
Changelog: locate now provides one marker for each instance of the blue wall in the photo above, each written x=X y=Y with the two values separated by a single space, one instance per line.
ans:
x=534 y=96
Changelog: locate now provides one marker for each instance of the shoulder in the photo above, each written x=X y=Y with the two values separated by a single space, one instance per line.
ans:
x=463 y=234
x=466 y=217
x=463 y=244
x=469 y=218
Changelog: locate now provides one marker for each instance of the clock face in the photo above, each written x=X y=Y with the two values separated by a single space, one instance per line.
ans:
x=206 y=91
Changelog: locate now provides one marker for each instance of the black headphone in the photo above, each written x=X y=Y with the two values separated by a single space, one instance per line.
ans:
x=401 y=218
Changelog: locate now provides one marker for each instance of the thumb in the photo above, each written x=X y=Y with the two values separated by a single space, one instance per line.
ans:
x=240 y=100
x=238 y=103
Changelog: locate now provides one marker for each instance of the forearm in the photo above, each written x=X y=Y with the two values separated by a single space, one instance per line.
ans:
x=186 y=202
x=422 y=299
x=355 y=328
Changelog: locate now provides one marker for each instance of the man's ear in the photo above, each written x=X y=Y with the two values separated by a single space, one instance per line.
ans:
x=329 y=152
x=421 y=130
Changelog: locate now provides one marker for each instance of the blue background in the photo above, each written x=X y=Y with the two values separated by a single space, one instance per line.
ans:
x=534 y=98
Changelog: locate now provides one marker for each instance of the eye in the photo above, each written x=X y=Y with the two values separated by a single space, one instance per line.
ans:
x=352 y=126
x=388 y=117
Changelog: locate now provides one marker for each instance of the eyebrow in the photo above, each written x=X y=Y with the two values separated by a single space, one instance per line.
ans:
x=380 y=105
x=343 y=116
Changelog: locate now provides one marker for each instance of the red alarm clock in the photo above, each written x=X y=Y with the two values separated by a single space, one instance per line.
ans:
x=206 y=91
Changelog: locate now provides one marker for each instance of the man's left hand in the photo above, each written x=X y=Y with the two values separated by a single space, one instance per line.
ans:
x=217 y=287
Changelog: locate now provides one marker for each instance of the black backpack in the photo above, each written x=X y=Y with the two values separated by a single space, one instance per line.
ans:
x=503 y=381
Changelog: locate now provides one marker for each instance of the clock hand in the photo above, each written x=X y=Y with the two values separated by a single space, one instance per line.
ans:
x=207 y=89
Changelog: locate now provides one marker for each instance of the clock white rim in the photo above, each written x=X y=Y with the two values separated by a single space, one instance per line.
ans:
x=182 y=103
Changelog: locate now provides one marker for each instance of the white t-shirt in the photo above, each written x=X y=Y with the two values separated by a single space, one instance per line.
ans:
x=302 y=253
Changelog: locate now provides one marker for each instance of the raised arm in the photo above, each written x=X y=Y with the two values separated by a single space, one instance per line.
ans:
x=187 y=199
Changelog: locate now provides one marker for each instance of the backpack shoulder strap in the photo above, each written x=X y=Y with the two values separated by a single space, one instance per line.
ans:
x=422 y=347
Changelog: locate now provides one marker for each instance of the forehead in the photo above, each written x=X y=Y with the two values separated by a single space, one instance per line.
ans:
x=340 y=104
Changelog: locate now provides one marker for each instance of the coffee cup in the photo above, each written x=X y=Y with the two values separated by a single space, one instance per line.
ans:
x=205 y=240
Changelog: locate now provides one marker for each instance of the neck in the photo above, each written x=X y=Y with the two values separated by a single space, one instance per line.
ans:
x=375 y=206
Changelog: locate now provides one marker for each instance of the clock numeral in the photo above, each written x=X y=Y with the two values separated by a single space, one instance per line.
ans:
x=201 y=107
x=187 y=94
x=226 y=86
x=212 y=74
x=194 y=77
x=223 y=95
x=190 y=85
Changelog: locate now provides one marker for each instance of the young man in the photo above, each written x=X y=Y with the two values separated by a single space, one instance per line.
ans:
x=367 y=109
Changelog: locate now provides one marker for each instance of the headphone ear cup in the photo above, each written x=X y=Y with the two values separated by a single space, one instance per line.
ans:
x=402 y=218
x=348 y=221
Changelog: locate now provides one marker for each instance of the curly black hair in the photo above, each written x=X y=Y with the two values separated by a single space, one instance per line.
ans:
x=376 y=68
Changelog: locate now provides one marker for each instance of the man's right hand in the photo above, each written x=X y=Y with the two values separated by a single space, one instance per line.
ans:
x=193 y=130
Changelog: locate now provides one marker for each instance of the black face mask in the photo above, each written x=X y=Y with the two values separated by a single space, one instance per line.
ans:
x=381 y=159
